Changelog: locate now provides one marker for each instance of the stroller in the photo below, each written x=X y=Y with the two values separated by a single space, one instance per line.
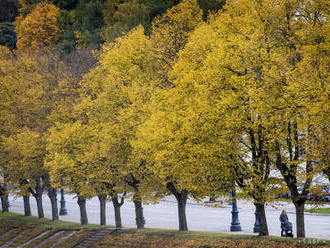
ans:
x=287 y=229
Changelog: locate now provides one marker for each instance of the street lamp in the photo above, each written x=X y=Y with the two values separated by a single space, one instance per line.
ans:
x=63 y=210
x=256 y=223
x=235 y=225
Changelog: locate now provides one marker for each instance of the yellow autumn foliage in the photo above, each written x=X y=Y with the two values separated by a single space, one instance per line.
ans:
x=39 y=28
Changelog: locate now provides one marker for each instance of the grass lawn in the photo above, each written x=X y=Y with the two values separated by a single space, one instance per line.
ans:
x=20 y=220
x=319 y=210
x=307 y=202
x=145 y=238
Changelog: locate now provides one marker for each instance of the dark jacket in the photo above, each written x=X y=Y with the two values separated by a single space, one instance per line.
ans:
x=284 y=219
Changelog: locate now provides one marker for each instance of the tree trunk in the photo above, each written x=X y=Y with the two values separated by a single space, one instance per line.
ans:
x=182 y=200
x=4 y=203
x=38 y=198
x=4 y=197
x=52 y=194
x=300 y=208
x=134 y=183
x=37 y=194
x=139 y=214
x=102 y=199
x=263 y=228
x=83 y=211
x=117 y=217
x=27 y=207
x=116 y=206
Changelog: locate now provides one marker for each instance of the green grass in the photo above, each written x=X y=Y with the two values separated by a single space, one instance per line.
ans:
x=32 y=221
x=319 y=210
x=307 y=202
x=207 y=235
x=187 y=234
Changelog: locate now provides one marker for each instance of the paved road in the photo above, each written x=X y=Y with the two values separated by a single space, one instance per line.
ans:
x=199 y=217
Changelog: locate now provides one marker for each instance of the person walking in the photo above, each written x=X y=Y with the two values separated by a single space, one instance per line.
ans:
x=284 y=220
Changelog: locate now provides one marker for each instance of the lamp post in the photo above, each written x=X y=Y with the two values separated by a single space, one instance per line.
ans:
x=63 y=210
x=256 y=223
x=235 y=225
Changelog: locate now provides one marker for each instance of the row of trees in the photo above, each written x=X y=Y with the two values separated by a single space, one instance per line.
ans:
x=69 y=24
x=190 y=107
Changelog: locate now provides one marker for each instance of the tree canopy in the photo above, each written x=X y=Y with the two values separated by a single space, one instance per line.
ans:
x=141 y=99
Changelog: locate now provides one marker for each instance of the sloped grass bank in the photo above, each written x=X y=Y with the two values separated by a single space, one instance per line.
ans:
x=17 y=223
x=32 y=221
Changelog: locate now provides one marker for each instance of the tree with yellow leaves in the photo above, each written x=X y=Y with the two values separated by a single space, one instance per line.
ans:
x=213 y=87
x=245 y=67
x=175 y=145
x=25 y=107
x=27 y=92
x=39 y=28
x=292 y=102
x=25 y=165
x=6 y=60
x=211 y=90
x=170 y=33
x=67 y=147
x=171 y=140
x=119 y=91
x=64 y=96
x=113 y=97
x=296 y=99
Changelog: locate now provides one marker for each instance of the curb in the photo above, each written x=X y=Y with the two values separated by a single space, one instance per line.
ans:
x=314 y=214
x=200 y=204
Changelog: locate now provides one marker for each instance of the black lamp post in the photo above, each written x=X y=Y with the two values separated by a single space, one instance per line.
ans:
x=235 y=225
x=63 y=210
x=256 y=223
